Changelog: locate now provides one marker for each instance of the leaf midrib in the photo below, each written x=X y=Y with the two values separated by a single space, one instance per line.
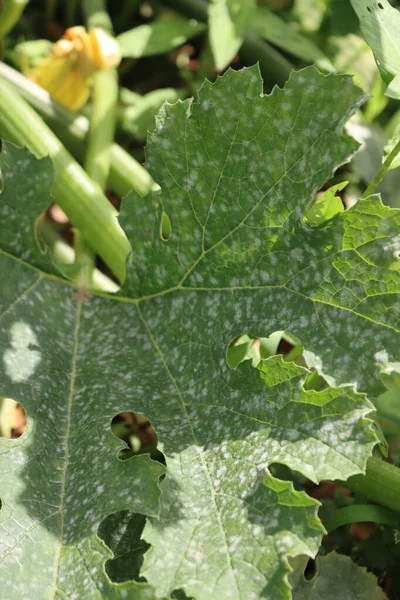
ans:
x=65 y=461
x=180 y=288
x=196 y=444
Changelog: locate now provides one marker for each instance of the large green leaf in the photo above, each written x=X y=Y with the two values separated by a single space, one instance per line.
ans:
x=62 y=477
x=236 y=171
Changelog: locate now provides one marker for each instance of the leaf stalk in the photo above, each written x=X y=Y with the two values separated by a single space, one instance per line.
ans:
x=103 y=121
x=382 y=172
x=381 y=483
x=72 y=128
x=79 y=197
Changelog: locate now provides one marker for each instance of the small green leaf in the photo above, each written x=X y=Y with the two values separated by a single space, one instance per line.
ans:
x=326 y=206
x=138 y=116
x=227 y=21
x=158 y=37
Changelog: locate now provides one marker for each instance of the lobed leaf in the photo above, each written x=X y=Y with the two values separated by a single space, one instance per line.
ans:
x=236 y=172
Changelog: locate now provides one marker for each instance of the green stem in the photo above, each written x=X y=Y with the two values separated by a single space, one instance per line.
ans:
x=360 y=513
x=382 y=172
x=63 y=254
x=381 y=483
x=80 y=198
x=103 y=119
x=102 y=126
x=274 y=67
x=10 y=15
x=103 y=122
x=126 y=173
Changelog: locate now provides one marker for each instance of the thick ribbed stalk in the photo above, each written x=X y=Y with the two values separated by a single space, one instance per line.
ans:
x=103 y=122
x=102 y=126
x=382 y=172
x=381 y=483
x=126 y=173
x=80 y=198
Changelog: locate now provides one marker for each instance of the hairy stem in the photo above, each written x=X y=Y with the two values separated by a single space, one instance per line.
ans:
x=382 y=172
x=102 y=126
x=103 y=122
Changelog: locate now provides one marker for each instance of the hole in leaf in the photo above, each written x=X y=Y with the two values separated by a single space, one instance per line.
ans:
x=122 y=532
x=139 y=435
x=246 y=347
x=12 y=419
x=279 y=343
x=310 y=570
x=165 y=227
x=180 y=595
x=380 y=5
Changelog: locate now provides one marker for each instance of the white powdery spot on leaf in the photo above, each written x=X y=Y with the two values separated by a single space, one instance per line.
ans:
x=236 y=172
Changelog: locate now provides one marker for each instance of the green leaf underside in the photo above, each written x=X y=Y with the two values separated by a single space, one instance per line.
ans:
x=236 y=172
x=380 y=26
